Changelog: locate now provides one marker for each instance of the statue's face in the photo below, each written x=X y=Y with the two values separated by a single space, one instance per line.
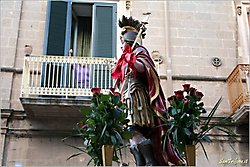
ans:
x=123 y=45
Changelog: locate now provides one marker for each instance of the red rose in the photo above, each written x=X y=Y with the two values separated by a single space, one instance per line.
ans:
x=82 y=124
x=186 y=87
x=186 y=101
x=170 y=99
x=199 y=94
x=117 y=94
x=179 y=94
x=192 y=90
x=112 y=90
x=95 y=90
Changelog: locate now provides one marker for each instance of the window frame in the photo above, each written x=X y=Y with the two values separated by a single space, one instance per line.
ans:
x=69 y=24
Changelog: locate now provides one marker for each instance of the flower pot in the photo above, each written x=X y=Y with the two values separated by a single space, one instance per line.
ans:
x=190 y=154
x=107 y=154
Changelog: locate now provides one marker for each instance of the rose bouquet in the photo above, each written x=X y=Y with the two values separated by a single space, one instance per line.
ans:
x=105 y=123
x=185 y=123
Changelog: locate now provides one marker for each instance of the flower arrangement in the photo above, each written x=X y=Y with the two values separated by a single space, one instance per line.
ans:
x=184 y=123
x=104 y=124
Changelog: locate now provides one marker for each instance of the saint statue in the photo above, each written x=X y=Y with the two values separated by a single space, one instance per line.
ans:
x=139 y=83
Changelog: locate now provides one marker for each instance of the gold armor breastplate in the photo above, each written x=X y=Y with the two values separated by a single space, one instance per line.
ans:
x=136 y=97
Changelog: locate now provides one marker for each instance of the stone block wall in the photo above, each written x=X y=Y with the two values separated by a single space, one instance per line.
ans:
x=22 y=22
x=10 y=20
x=32 y=29
x=201 y=30
x=42 y=151
x=222 y=154
x=188 y=37
x=187 y=34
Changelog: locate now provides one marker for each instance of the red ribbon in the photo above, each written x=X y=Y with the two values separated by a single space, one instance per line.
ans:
x=127 y=58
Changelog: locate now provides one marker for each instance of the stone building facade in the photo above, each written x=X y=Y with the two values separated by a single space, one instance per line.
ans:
x=199 y=42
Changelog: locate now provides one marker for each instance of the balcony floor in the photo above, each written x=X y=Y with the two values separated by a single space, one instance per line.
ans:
x=241 y=116
x=54 y=107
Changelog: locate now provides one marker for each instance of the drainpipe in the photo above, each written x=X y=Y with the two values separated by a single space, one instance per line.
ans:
x=5 y=117
x=168 y=53
x=242 y=32
x=18 y=34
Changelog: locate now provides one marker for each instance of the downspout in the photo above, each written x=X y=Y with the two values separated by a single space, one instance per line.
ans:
x=168 y=53
x=5 y=139
x=14 y=64
x=4 y=132
x=237 y=39
x=242 y=36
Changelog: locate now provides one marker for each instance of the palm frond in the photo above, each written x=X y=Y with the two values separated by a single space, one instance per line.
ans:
x=104 y=129
x=78 y=148
x=73 y=135
x=230 y=144
x=203 y=148
x=211 y=114
x=121 y=140
x=74 y=155
x=90 y=161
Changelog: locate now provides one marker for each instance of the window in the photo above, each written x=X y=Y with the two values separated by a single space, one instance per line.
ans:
x=87 y=28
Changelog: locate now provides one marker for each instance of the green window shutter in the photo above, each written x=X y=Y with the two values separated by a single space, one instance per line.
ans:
x=104 y=40
x=55 y=41
x=104 y=29
x=57 y=28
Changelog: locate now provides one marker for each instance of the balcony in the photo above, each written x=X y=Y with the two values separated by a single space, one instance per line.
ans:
x=238 y=91
x=61 y=85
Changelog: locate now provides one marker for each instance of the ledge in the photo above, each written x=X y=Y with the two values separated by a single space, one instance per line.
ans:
x=195 y=78
x=12 y=69
x=241 y=116
x=16 y=114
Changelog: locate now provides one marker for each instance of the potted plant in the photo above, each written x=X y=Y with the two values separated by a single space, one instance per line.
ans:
x=185 y=124
x=103 y=126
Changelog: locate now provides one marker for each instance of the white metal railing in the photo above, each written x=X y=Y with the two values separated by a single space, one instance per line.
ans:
x=65 y=76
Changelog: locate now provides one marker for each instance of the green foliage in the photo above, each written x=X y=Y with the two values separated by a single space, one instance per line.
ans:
x=104 y=124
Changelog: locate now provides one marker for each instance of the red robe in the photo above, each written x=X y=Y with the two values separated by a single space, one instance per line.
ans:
x=157 y=100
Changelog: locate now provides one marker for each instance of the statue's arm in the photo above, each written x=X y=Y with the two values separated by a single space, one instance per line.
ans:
x=139 y=66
